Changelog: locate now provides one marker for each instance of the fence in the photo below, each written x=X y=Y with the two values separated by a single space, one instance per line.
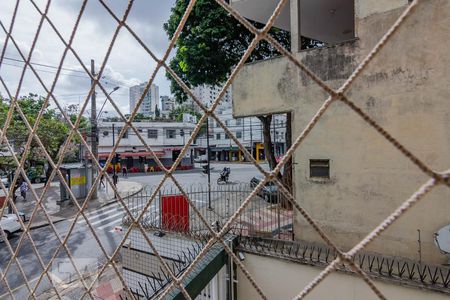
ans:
x=263 y=217
x=403 y=271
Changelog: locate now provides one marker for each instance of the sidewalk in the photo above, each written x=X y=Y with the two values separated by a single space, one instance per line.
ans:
x=57 y=213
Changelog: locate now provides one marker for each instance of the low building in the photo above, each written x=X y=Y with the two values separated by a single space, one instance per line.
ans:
x=166 y=139
x=248 y=131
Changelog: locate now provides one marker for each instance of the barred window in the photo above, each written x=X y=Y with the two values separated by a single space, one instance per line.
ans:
x=239 y=134
x=152 y=133
x=319 y=168
x=170 y=133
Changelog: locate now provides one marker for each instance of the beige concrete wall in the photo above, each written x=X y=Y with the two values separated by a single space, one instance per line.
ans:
x=365 y=8
x=282 y=279
x=406 y=90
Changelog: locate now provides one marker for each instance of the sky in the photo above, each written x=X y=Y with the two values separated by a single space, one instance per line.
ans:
x=128 y=64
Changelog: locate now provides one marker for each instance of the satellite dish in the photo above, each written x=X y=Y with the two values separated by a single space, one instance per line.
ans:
x=442 y=239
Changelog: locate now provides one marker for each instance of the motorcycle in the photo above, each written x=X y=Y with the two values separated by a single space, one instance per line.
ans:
x=224 y=176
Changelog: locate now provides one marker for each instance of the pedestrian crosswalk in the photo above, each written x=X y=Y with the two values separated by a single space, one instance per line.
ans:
x=108 y=217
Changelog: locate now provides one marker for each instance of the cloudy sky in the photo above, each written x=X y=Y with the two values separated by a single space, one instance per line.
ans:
x=128 y=64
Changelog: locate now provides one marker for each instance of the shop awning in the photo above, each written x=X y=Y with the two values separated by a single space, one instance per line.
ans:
x=134 y=154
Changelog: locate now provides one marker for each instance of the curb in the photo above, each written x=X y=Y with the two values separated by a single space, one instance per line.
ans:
x=44 y=224
x=113 y=200
x=60 y=219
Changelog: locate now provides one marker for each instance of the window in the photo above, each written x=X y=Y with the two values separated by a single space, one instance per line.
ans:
x=217 y=136
x=319 y=168
x=152 y=133
x=239 y=134
x=227 y=137
x=227 y=122
x=170 y=133
x=238 y=122
x=125 y=135
x=105 y=133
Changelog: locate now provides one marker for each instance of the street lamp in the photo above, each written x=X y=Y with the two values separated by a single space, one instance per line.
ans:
x=114 y=89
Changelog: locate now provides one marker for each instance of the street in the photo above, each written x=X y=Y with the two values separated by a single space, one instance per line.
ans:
x=82 y=243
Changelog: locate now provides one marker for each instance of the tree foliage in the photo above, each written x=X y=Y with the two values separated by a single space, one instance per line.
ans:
x=52 y=131
x=177 y=113
x=211 y=44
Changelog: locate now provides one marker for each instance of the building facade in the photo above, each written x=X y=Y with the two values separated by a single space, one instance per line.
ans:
x=150 y=102
x=166 y=139
x=248 y=131
x=347 y=176
x=207 y=94
x=167 y=105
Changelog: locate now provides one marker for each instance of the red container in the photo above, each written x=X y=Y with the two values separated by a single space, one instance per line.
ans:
x=175 y=213
x=2 y=201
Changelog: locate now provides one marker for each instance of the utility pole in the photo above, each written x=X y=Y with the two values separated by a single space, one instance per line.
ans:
x=208 y=156
x=251 y=137
x=115 y=177
x=94 y=136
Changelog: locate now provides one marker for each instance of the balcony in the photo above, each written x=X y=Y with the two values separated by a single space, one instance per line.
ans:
x=329 y=21
x=276 y=85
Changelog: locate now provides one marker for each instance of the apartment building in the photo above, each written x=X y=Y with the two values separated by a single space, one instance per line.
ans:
x=347 y=175
x=150 y=102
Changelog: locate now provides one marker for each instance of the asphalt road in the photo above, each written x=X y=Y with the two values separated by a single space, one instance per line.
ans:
x=239 y=173
x=81 y=243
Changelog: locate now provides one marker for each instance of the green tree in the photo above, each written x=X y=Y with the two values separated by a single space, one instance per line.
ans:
x=211 y=43
x=210 y=46
x=177 y=113
x=52 y=131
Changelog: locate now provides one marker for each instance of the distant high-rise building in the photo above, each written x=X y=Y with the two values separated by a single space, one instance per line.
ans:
x=151 y=99
x=167 y=103
x=207 y=94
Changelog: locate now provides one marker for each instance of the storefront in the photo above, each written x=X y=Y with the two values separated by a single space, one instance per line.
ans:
x=140 y=161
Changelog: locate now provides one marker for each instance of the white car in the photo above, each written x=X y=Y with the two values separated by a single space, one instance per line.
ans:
x=201 y=159
x=5 y=182
x=10 y=225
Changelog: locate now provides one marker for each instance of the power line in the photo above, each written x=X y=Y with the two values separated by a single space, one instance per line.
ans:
x=105 y=80
x=44 y=65
x=46 y=71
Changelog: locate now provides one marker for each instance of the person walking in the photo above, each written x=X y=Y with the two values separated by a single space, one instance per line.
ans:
x=23 y=190
x=102 y=181
x=124 y=172
x=15 y=188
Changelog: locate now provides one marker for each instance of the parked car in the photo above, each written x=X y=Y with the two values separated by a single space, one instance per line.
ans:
x=269 y=191
x=201 y=159
x=10 y=225
x=35 y=175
